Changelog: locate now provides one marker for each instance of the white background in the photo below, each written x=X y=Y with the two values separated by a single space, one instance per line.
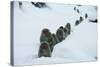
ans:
x=5 y=33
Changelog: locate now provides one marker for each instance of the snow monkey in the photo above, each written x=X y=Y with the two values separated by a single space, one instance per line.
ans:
x=20 y=4
x=81 y=19
x=44 y=50
x=66 y=32
x=75 y=8
x=86 y=15
x=77 y=22
x=60 y=34
x=39 y=4
x=68 y=27
x=78 y=11
x=46 y=36
x=55 y=41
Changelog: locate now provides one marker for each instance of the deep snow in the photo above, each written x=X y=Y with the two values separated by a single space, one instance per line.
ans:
x=80 y=45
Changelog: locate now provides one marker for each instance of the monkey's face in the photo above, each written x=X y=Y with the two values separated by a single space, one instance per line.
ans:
x=46 y=32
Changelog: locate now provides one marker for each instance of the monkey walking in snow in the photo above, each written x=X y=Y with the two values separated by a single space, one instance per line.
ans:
x=81 y=19
x=55 y=41
x=60 y=34
x=20 y=4
x=66 y=32
x=86 y=16
x=44 y=50
x=68 y=27
x=39 y=4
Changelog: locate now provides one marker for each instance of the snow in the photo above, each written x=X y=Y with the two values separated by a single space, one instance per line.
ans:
x=80 y=45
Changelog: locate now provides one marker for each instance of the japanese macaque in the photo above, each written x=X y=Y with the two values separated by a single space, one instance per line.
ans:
x=81 y=19
x=55 y=39
x=75 y=8
x=20 y=4
x=78 y=11
x=46 y=36
x=66 y=32
x=60 y=34
x=44 y=50
x=68 y=27
x=86 y=15
x=77 y=22
x=39 y=4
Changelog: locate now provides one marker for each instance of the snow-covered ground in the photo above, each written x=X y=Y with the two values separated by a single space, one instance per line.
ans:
x=80 y=45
